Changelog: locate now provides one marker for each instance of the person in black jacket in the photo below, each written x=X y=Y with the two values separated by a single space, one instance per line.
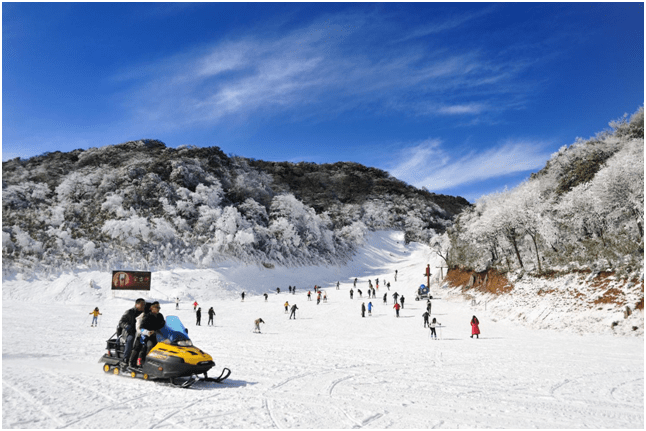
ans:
x=151 y=323
x=294 y=308
x=127 y=325
x=211 y=314
x=198 y=315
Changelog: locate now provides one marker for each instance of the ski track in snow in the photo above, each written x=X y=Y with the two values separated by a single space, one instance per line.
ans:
x=330 y=368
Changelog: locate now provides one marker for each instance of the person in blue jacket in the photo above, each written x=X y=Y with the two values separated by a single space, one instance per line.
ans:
x=370 y=308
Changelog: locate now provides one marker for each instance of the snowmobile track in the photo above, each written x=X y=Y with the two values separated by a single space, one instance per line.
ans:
x=34 y=402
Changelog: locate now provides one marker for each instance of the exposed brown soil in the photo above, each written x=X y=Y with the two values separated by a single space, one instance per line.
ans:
x=494 y=282
x=489 y=281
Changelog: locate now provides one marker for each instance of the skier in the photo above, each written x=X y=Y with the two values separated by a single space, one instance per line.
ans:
x=195 y=306
x=363 y=309
x=475 y=328
x=324 y=297
x=257 y=322
x=211 y=315
x=402 y=301
x=293 y=290
x=198 y=315
x=278 y=290
x=374 y=292
x=294 y=308
x=395 y=275
x=309 y=295
x=355 y=282
x=369 y=308
x=266 y=296
x=351 y=293
x=432 y=325
x=286 y=307
x=369 y=292
x=96 y=314
x=425 y=316
x=318 y=298
x=385 y=298
x=290 y=289
x=176 y=303
x=242 y=296
x=337 y=285
x=428 y=306
x=396 y=307
x=395 y=295
x=388 y=285
x=360 y=293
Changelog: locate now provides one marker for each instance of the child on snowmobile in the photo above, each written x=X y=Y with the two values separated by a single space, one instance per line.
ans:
x=127 y=324
x=151 y=323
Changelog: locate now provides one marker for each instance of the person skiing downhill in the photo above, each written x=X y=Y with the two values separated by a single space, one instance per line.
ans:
x=211 y=315
x=396 y=307
x=286 y=307
x=385 y=298
x=309 y=295
x=257 y=322
x=294 y=308
x=425 y=316
x=363 y=309
x=402 y=300
x=369 y=308
x=432 y=326
x=395 y=295
x=475 y=328
x=96 y=314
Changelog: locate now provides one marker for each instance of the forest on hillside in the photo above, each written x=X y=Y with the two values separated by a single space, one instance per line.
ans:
x=143 y=205
x=584 y=210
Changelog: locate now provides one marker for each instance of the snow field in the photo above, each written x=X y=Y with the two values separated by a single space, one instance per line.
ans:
x=329 y=368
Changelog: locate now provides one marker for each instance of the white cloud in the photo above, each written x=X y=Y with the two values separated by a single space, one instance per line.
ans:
x=326 y=68
x=430 y=165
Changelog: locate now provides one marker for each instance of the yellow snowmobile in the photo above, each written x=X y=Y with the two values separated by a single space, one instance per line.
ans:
x=173 y=358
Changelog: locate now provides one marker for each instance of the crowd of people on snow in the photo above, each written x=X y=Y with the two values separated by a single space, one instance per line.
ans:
x=139 y=325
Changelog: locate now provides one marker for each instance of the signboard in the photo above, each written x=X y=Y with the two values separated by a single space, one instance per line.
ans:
x=130 y=280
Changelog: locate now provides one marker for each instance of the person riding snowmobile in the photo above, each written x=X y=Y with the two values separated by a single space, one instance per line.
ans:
x=152 y=322
x=128 y=323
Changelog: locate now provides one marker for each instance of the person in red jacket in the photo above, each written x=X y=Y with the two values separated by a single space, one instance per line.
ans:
x=396 y=307
x=475 y=329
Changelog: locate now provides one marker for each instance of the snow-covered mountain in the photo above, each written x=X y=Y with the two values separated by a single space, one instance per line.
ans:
x=142 y=205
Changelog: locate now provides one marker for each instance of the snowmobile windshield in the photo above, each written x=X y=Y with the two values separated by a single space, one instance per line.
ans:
x=174 y=333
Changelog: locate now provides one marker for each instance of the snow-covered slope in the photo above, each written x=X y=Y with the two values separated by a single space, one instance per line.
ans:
x=329 y=368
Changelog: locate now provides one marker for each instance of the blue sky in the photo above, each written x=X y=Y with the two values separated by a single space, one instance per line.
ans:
x=461 y=98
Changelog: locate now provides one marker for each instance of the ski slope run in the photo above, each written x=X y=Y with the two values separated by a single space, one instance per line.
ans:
x=329 y=368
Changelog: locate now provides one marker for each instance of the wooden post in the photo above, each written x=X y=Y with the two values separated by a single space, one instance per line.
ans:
x=428 y=276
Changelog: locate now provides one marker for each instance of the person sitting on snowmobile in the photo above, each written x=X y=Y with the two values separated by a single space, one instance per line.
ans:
x=151 y=323
x=127 y=325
